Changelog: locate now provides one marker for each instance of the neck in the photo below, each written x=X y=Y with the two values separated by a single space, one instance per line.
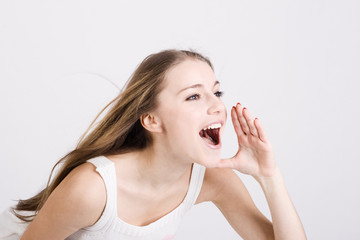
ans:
x=153 y=167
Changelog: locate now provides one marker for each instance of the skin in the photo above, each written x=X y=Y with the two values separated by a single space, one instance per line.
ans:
x=146 y=190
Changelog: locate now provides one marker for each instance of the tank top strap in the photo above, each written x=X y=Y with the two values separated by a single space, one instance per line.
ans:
x=196 y=180
x=106 y=168
x=101 y=162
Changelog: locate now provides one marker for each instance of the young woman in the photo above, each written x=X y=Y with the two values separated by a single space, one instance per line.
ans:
x=155 y=154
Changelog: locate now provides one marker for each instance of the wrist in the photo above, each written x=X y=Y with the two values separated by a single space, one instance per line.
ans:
x=270 y=180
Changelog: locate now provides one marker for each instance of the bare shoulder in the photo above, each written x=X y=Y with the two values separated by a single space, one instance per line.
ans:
x=77 y=202
x=86 y=179
x=219 y=183
x=85 y=191
x=223 y=186
x=86 y=184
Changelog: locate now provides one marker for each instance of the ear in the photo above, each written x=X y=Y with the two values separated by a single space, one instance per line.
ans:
x=151 y=123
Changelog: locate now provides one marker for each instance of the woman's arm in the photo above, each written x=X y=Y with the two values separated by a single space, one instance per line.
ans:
x=286 y=222
x=255 y=157
x=77 y=202
x=225 y=189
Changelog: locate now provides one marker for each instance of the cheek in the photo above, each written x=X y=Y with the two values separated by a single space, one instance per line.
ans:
x=181 y=128
x=181 y=117
x=181 y=122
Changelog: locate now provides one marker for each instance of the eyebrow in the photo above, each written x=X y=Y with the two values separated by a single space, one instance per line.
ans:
x=197 y=86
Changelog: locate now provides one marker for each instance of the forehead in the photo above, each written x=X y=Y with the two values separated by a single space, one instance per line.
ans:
x=189 y=72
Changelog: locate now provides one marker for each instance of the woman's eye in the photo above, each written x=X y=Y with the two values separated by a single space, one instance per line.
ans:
x=193 y=97
x=219 y=93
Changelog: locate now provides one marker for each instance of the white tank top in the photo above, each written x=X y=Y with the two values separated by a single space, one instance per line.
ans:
x=110 y=226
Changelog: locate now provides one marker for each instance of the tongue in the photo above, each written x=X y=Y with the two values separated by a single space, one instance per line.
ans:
x=208 y=138
x=211 y=136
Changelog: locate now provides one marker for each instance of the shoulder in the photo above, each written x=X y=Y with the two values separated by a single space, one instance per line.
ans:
x=219 y=184
x=85 y=191
x=86 y=179
x=77 y=202
x=82 y=177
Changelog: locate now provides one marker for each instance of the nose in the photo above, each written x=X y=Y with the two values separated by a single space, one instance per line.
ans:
x=216 y=105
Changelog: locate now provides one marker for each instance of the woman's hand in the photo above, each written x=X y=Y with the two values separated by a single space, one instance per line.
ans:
x=255 y=155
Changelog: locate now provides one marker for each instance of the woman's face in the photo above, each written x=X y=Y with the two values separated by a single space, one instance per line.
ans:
x=191 y=113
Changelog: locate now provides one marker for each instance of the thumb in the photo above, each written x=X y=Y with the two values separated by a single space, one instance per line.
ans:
x=226 y=163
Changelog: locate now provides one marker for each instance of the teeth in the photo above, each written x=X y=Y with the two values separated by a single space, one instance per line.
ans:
x=213 y=126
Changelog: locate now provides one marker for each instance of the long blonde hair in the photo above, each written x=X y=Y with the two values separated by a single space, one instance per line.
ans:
x=120 y=130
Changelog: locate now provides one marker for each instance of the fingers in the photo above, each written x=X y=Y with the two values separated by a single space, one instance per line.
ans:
x=250 y=122
x=244 y=124
x=241 y=119
x=235 y=120
x=261 y=131
x=246 y=121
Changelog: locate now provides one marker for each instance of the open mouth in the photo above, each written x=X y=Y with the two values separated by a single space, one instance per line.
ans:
x=211 y=134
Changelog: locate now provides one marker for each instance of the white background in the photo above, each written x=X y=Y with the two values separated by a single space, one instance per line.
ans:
x=294 y=64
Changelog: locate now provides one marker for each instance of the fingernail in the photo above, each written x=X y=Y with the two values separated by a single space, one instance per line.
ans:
x=238 y=104
x=244 y=108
